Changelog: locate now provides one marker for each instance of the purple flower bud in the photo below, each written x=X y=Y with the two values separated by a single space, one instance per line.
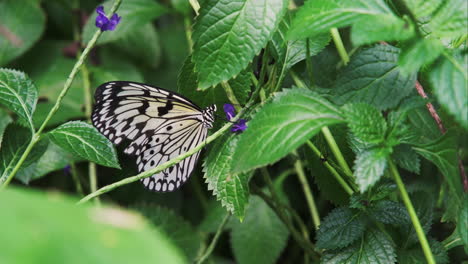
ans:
x=230 y=111
x=67 y=170
x=103 y=22
x=239 y=127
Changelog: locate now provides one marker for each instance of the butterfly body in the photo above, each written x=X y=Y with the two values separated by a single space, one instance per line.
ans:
x=157 y=124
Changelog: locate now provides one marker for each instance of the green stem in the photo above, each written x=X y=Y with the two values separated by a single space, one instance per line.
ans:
x=173 y=161
x=414 y=217
x=336 y=152
x=37 y=136
x=231 y=96
x=299 y=83
x=307 y=192
x=339 y=45
x=332 y=170
x=76 y=179
x=212 y=245
x=93 y=180
x=309 y=63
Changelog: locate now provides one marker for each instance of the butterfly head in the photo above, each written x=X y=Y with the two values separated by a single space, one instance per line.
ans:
x=208 y=116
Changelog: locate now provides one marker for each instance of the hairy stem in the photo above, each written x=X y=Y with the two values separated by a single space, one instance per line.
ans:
x=36 y=137
x=414 y=217
x=332 y=170
x=339 y=45
x=212 y=245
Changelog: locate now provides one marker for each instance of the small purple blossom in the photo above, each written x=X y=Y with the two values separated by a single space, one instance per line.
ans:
x=67 y=170
x=103 y=22
x=240 y=125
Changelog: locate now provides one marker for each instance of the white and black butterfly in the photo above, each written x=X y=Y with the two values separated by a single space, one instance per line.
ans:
x=158 y=124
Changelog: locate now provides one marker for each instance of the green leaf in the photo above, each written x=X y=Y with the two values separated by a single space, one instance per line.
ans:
x=282 y=125
x=416 y=256
x=373 y=248
x=142 y=45
x=290 y=52
x=5 y=120
x=424 y=127
x=463 y=222
x=177 y=229
x=18 y=93
x=443 y=153
x=451 y=20
x=228 y=34
x=423 y=203
x=319 y=16
x=365 y=122
x=340 y=228
x=241 y=86
x=15 y=141
x=21 y=26
x=389 y=212
x=450 y=81
x=54 y=158
x=368 y=30
x=85 y=141
x=422 y=8
x=231 y=188
x=369 y=166
x=134 y=13
x=420 y=53
x=261 y=237
x=406 y=158
x=374 y=77
x=182 y=6
x=55 y=224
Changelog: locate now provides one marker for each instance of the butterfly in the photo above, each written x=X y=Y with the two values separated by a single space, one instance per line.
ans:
x=157 y=124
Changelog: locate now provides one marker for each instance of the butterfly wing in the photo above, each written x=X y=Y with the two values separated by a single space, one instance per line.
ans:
x=159 y=125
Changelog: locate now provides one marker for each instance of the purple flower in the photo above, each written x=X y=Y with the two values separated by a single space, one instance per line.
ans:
x=67 y=170
x=103 y=22
x=240 y=125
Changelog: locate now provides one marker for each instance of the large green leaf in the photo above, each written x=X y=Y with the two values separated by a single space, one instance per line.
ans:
x=449 y=78
x=176 y=228
x=422 y=8
x=420 y=53
x=339 y=228
x=282 y=125
x=53 y=228
x=261 y=237
x=230 y=188
x=443 y=153
x=21 y=25
x=365 y=122
x=451 y=20
x=228 y=34
x=389 y=212
x=5 y=120
x=319 y=16
x=15 y=141
x=372 y=29
x=85 y=141
x=405 y=157
x=135 y=14
x=374 y=77
x=369 y=166
x=374 y=248
x=18 y=93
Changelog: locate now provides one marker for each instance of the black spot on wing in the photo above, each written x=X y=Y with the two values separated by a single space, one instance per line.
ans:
x=163 y=110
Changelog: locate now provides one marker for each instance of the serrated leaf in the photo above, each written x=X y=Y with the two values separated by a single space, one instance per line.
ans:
x=406 y=158
x=134 y=13
x=21 y=26
x=389 y=212
x=54 y=158
x=365 y=122
x=369 y=166
x=373 y=77
x=423 y=203
x=373 y=248
x=422 y=8
x=231 y=188
x=228 y=34
x=424 y=127
x=420 y=53
x=340 y=228
x=450 y=81
x=416 y=256
x=85 y=141
x=319 y=16
x=290 y=52
x=451 y=19
x=443 y=153
x=5 y=120
x=18 y=93
x=177 y=229
x=372 y=29
x=142 y=45
x=261 y=237
x=103 y=234
x=15 y=141
x=282 y=125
